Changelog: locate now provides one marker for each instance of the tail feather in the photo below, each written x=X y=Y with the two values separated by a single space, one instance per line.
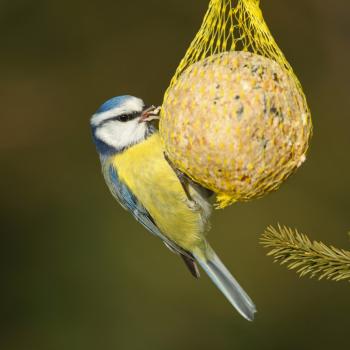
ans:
x=227 y=284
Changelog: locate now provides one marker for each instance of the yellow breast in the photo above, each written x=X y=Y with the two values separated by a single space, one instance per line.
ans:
x=148 y=175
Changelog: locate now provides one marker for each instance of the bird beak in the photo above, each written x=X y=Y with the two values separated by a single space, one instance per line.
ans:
x=150 y=113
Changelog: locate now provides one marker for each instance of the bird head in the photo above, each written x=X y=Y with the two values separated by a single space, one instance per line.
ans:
x=120 y=123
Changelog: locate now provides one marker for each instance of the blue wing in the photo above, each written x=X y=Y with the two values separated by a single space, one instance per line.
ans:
x=129 y=202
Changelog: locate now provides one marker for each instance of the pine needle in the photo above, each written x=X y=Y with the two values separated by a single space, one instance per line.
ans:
x=307 y=257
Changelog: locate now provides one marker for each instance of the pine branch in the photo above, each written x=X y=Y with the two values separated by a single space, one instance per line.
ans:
x=308 y=257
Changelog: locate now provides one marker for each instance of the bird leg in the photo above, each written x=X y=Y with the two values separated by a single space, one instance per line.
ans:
x=192 y=204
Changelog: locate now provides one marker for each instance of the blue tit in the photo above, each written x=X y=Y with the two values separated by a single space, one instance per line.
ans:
x=166 y=202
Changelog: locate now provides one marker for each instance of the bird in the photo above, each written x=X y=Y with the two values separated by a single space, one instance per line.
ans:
x=164 y=200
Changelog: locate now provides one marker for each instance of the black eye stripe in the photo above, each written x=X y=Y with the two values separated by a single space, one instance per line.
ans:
x=122 y=118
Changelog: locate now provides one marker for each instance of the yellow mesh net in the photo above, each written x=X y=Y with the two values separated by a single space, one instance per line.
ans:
x=234 y=117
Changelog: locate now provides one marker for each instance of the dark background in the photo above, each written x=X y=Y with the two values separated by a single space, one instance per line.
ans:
x=77 y=272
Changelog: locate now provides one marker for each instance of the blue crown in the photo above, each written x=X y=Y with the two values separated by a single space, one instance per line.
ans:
x=112 y=103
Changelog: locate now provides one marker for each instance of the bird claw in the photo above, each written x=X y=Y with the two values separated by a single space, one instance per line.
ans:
x=193 y=205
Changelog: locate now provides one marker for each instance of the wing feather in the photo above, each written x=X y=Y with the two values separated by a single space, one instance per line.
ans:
x=129 y=202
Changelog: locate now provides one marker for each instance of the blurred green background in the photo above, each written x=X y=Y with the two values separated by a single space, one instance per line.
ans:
x=77 y=272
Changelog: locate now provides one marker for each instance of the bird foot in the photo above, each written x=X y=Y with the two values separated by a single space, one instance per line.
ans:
x=193 y=205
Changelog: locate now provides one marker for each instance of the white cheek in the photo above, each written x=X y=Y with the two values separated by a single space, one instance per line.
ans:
x=120 y=135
